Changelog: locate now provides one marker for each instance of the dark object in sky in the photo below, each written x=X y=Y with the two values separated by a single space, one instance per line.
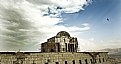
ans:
x=59 y=7
x=107 y=19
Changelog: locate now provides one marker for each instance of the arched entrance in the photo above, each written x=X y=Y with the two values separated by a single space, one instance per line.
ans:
x=52 y=50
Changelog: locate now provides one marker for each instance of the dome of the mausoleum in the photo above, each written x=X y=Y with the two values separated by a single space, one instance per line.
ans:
x=63 y=33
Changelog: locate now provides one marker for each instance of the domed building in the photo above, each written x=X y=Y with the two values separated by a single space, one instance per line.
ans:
x=62 y=42
x=60 y=49
x=63 y=34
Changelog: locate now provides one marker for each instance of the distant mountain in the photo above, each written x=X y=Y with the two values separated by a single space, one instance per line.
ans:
x=112 y=51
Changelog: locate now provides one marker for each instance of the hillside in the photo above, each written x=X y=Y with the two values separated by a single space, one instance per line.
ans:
x=114 y=55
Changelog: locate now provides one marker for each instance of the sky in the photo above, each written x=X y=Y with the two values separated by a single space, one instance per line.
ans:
x=25 y=24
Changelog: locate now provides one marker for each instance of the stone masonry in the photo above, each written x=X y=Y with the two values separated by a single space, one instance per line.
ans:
x=60 y=49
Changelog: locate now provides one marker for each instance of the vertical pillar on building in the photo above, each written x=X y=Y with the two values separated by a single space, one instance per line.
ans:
x=74 y=47
x=67 y=47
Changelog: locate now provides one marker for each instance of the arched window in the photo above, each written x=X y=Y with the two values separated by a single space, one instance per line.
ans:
x=103 y=60
x=56 y=62
x=95 y=61
x=99 y=60
x=46 y=63
x=86 y=61
x=73 y=61
x=80 y=62
x=91 y=61
x=65 y=62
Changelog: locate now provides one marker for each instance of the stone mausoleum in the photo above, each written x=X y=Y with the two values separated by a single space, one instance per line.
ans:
x=60 y=49
x=62 y=42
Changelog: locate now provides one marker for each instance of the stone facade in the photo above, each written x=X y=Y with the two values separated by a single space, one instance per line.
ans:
x=60 y=49
x=51 y=58
x=62 y=42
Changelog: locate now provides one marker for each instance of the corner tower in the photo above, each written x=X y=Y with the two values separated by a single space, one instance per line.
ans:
x=62 y=42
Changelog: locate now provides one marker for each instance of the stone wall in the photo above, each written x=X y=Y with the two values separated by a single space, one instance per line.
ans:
x=51 y=58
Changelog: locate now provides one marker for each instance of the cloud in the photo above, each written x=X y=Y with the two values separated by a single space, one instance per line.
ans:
x=25 y=23
x=93 y=45
x=85 y=24
x=91 y=39
x=113 y=43
x=67 y=6
x=86 y=44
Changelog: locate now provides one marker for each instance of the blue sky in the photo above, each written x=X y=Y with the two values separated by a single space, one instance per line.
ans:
x=96 y=15
x=25 y=24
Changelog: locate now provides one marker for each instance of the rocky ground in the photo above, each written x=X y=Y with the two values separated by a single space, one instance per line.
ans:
x=114 y=55
x=114 y=59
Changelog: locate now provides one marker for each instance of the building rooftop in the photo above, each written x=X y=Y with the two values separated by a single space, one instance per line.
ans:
x=63 y=33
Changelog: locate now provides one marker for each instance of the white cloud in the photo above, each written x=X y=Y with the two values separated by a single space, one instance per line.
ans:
x=93 y=45
x=28 y=22
x=85 y=24
x=86 y=45
x=91 y=39
x=113 y=43
x=68 y=6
